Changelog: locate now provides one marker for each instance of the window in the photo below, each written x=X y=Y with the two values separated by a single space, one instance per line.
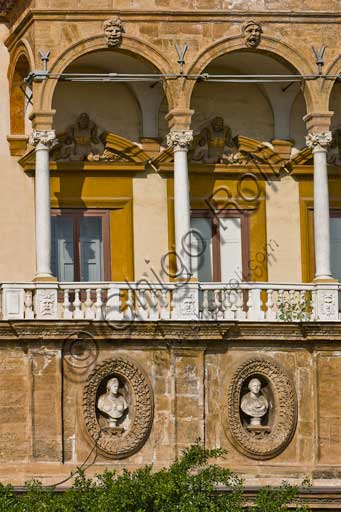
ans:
x=219 y=245
x=80 y=245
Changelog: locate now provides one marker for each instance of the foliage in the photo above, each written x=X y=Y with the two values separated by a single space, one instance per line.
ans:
x=292 y=312
x=190 y=484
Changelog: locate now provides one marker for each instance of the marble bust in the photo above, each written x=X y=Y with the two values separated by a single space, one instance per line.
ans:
x=112 y=403
x=254 y=403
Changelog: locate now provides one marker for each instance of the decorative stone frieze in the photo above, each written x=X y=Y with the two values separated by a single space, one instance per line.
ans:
x=113 y=32
x=260 y=420
x=252 y=32
x=179 y=140
x=118 y=407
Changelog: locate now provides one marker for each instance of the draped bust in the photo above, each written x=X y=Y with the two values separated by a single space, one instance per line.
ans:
x=254 y=403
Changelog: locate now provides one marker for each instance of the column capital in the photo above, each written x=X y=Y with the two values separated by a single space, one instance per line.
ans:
x=318 y=140
x=179 y=140
x=45 y=137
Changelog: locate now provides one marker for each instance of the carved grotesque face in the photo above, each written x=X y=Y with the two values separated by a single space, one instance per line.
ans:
x=113 y=31
x=218 y=124
x=83 y=121
x=113 y=386
x=252 y=34
x=255 y=386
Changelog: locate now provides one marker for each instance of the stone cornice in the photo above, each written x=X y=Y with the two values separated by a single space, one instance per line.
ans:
x=326 y=336
x=233 y=16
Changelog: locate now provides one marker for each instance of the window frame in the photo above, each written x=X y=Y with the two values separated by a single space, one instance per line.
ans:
x=243 y=215
x=76 y=214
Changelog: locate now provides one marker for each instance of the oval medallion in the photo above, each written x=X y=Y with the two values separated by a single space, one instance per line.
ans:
x=261 y=410
x=118 y=407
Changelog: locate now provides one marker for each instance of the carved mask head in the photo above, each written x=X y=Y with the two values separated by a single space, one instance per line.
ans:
x=113 y=31
x=252 y=34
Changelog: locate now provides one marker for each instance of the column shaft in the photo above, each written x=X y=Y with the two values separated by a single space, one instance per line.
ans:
x=42 y=141
x=180 y=141
x=319 y=144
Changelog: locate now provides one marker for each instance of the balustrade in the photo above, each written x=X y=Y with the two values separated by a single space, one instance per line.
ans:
x=119 y=302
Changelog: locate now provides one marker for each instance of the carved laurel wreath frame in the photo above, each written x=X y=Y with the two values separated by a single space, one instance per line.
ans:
x=119 y=447
x=284 y=410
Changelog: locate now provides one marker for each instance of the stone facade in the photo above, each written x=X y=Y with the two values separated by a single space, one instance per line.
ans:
x=79 y=376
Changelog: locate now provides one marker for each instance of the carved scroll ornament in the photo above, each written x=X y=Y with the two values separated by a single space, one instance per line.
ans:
x=278 y=418
x=118 y=407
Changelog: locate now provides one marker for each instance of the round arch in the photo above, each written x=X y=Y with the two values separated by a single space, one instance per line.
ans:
x=21 y=63
x=130 y=44
x=327 y=85
x=269 y=45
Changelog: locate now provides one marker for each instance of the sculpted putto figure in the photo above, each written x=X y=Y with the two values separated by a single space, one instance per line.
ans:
x=215 y=143
x=112 y=403
x=254 y=403
x=252 y=32
x=113 y=32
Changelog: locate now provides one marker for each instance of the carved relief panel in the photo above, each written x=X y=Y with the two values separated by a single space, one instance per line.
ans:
x=261 y=410
x=118 y=407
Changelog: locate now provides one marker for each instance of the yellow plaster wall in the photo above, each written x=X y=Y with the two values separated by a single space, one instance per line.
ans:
x=150 y=224
x=17 y=247
x=306 y=188
x=283 y=228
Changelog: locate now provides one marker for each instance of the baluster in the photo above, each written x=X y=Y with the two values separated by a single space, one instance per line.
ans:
x=270 y=306
x=67 y=313
x=228 y=312
x=164 y=303
x=153 y=305
x=303 y=305
x=240 y=313
x=78 y=313
x=113 y=308
x=99 y=305
x=254 y=305
x=218 y=302
x=141 y=305
x=205 y=306
x=29 y=313
x=89 y=311
x=129 y=312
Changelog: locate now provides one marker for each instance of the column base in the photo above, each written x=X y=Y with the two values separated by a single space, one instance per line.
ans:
x=325 y=279
x=44 y=278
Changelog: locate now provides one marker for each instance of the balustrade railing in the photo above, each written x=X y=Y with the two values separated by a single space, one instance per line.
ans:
x=118 y=302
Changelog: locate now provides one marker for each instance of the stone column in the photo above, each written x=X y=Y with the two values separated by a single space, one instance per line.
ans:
x=180 y=141
x=318 y=142
x=43 y=140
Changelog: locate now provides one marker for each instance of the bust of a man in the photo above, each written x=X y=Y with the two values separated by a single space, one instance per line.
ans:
x=112 y=403
x=254 y=403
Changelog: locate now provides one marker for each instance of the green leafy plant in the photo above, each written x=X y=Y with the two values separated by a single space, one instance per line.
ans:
x=191 y=484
